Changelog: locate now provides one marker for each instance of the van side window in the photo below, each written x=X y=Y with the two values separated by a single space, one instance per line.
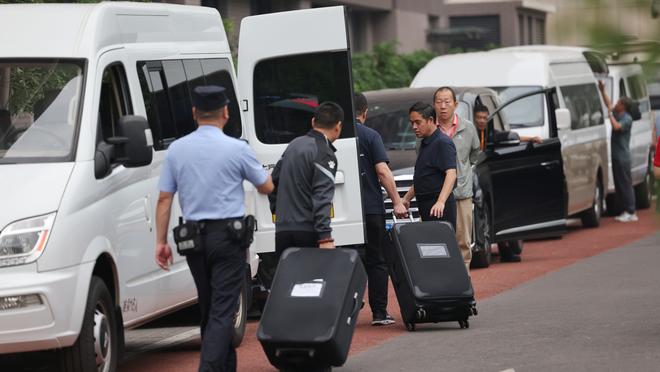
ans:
x=638 y=92
x=622 y=89
x=218 y=72
x=114 y=101
x=287 y=91
x=166 y=89
x=583 y=101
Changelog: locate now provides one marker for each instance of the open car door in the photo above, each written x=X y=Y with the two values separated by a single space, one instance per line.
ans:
x=524 y=183
x=288 y=64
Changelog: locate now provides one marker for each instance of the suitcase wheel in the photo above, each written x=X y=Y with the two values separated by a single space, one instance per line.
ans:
x=410 y=327
x=464 y=323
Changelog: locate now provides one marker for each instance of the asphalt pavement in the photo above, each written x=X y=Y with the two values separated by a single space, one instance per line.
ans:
x=599 y=314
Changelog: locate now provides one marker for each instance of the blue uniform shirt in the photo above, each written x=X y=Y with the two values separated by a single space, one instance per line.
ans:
x=207 y=168
x=436 y=155
x=372 y=152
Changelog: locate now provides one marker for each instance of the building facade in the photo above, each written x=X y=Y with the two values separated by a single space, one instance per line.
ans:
x=415 y=24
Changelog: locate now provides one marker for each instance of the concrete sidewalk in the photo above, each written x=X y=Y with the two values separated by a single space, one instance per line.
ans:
x=602 y=313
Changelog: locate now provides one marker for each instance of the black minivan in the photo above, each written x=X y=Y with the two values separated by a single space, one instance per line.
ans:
x=519 y=190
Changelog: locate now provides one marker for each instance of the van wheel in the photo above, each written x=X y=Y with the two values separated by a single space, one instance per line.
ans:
x=591 y=217
x=240 y=318
x=643 y=191
x=96 y=346
x=481 y=236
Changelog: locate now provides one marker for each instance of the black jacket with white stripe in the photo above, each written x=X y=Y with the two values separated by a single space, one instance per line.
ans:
x=305 y=185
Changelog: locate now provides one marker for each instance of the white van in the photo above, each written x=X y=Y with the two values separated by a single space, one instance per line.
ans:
x=91 y=96
x=557 y=96
x=627 y=79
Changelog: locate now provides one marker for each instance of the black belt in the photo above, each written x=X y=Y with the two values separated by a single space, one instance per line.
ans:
x=222 y=224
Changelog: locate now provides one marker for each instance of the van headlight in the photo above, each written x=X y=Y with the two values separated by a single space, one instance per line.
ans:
x=24 y=241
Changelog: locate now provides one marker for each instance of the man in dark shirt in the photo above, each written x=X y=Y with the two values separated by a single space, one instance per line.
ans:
x=304 y=181
x=374 y=173
x=435 y=168
x=621 y=162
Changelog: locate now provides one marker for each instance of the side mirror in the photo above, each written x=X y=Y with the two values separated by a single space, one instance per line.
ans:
x=507 y=138
x=563 y=117
x=133 y=144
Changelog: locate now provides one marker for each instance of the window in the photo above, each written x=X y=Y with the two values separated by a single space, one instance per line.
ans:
x=638 y=92
x=622 y=89
x=39 y=109
x=637 y=87
x=525 y=113
x=392 y=121
x=114 y=102
x=166 y=89
x=217 y=72
x=480 y=32
x=287 y=91
x=583 y=101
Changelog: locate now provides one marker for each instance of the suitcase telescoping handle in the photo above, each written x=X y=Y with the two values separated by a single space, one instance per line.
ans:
x=410 y=217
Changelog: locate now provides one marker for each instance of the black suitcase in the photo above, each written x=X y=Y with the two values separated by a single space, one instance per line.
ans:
x=310 y=315
x=428 y=273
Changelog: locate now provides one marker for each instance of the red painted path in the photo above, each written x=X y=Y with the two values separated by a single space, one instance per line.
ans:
x=539 y=258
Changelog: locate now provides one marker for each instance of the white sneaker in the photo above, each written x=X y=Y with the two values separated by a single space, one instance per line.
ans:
x=626 y=217
x=623 y=217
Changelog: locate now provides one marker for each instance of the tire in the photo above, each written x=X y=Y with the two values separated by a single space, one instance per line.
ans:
x=240 y=318
x=644 y=191
x=96 y=347
x=591 y=217
x=481 y=257
x=511 y=247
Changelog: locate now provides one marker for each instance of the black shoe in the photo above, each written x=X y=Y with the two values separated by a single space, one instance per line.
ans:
x=512 y=258
x=382 y=319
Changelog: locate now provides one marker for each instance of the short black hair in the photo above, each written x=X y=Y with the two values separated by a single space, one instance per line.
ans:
x=427 y=111
x=328 y=114
x=480 y=108
x=361 y=104
x=627 y=103
x=442 y=89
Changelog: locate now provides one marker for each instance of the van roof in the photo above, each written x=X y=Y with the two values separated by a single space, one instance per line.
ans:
x=513 y=66
x=82 y=30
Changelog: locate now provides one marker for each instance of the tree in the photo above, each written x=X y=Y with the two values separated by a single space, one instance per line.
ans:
x=384 y=68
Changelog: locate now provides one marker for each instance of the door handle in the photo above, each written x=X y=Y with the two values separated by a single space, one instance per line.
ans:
x=550 y=164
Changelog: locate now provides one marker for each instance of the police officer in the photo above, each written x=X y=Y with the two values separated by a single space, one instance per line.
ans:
x=305 y=184
x=207 y=169
x=375 y=172
x=435 y=168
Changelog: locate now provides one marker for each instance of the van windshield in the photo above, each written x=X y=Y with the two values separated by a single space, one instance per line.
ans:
x=392 y=122
x=39 y=102
x=525 y=113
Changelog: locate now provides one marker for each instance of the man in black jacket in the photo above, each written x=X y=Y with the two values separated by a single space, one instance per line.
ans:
x=305 y=184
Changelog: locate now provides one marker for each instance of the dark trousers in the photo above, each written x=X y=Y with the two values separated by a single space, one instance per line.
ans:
x=218 y=273
x=449 y=214
x=299 y=239
x=623 y=185
x=374 y=263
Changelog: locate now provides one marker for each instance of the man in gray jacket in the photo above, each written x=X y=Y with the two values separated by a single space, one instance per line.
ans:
x=466 y=140
x=304 y=181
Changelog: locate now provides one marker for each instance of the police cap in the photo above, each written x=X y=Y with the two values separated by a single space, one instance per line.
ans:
x=209 y=97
